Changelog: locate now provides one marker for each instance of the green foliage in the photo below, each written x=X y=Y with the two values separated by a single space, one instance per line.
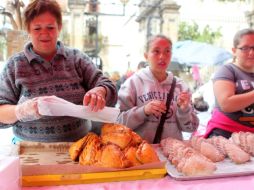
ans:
x=230 y=0
x=2 y=47
x=192 y=32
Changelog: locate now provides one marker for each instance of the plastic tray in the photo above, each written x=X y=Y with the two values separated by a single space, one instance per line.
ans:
x=225 y=168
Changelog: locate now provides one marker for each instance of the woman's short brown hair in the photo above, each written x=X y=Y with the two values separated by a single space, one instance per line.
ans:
x=38 y=7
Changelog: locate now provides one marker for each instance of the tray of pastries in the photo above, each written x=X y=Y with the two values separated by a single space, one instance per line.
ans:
x=215 y=157
x=117 y=154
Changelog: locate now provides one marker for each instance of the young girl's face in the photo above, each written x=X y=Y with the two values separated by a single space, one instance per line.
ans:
x=159 y=55
x=244 y=53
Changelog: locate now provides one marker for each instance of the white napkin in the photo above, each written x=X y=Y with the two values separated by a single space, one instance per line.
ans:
x=10 y=173
x=54 y=106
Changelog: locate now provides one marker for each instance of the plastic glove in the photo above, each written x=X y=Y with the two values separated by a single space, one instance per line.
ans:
x=28 y=110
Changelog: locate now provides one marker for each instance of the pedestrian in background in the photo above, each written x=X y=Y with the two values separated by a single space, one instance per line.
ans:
x=196 y=77
x=141 y=65
x=116 y=79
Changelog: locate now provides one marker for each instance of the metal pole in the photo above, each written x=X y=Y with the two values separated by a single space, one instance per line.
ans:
x=97 y=40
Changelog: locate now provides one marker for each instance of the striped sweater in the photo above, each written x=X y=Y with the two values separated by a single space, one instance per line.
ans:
x=69 y=75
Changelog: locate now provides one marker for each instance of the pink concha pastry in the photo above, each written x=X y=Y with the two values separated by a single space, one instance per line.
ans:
x=211 y=152
x=186 y=159
x=207 y=149
x=245 y=140
x=218 y=142
x=196 y=165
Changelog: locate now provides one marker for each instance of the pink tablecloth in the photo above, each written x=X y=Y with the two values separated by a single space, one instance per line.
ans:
x=167 y=183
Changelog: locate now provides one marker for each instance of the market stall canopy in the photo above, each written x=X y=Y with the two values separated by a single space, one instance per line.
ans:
x=197 y=53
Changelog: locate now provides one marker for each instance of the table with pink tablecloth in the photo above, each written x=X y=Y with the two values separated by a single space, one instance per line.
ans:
x=167 y=183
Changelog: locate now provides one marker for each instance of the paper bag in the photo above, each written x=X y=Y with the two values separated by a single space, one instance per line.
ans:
x=54 y=106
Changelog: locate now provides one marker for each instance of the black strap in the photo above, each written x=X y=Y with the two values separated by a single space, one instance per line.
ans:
x=159 y=130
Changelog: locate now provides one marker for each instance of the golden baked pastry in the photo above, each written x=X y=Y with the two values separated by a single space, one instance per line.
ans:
x=76 y=148
x=113 y=127
x=112 y=156
x=130 y=154
x=120 y=135
x=146 y=153
x=120 y=139
x=136 y=139
x=92 y=147
x=117 y=147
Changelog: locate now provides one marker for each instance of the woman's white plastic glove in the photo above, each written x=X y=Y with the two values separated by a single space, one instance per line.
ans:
x=28 y=110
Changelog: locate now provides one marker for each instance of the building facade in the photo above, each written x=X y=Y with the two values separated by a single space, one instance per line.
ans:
x=114 y=32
